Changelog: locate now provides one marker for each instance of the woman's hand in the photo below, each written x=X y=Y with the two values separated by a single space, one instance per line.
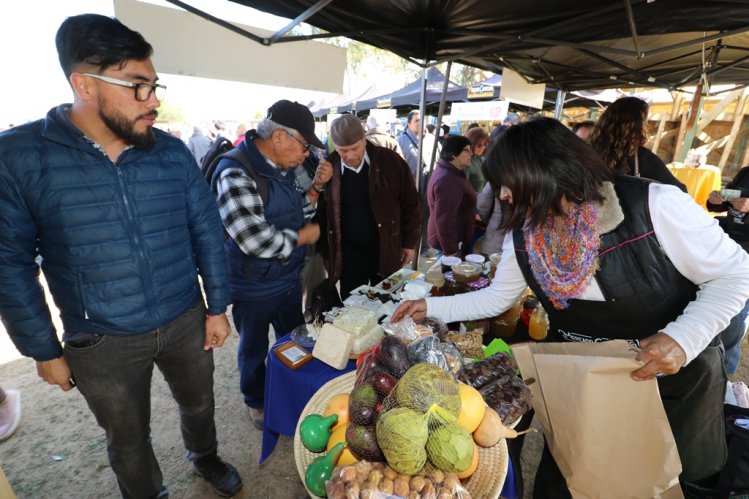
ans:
x=416 y=309
x=715 y=198
x=661 y=355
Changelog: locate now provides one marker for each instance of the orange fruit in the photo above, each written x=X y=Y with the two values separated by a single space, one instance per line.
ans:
x=339 y=435
x=338 y=404
x=474 y=464
x=472 y=408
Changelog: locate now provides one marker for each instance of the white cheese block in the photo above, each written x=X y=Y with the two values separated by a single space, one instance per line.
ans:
x=333 y=346
x=367 y=339
x=356 y=320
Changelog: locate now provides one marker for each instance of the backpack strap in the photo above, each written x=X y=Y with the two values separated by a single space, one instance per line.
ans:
x=239 y=156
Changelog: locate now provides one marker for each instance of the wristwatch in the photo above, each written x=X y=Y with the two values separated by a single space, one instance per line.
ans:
x=318 y=190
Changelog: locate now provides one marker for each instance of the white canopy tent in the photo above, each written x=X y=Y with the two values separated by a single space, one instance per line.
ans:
x=186 y=44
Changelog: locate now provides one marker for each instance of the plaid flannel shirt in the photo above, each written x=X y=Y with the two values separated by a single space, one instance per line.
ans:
x=243 y=214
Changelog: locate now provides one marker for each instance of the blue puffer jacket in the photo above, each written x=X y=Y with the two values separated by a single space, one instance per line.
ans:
x=121 y=244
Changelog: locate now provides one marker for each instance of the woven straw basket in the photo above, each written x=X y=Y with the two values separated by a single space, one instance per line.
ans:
x=485 y=483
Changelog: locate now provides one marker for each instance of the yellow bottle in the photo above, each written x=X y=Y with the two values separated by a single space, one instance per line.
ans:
x=538 y=327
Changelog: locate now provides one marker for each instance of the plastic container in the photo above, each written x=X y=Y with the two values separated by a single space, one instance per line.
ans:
x=504 y=325
x=436 y=278
x=467 y=271
x=303 y=336
x=474 y=258
x=448 y=262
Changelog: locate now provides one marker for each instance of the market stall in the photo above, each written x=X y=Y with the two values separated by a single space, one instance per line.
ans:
x=319 y=379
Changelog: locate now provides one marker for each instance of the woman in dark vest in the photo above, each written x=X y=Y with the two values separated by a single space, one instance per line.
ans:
x=613 y=257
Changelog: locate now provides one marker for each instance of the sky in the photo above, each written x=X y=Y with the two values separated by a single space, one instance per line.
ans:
x=33 y=82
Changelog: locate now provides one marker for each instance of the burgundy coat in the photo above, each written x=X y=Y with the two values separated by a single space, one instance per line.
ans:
x=395 y=206
x=452 y=209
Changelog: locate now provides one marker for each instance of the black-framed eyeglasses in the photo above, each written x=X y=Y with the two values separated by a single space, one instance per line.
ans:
x=305 y=146
x=143 y=91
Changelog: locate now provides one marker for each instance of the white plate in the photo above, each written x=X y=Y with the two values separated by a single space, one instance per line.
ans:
x=401 y=277
x=368 y=291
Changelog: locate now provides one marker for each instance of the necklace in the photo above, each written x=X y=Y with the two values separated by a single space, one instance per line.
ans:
x=563 y=258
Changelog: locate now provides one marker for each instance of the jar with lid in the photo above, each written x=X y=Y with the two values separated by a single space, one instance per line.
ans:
x=538 y=328
x=493 y=262
x=436 y=278
x=453 y=286
x=505 y=324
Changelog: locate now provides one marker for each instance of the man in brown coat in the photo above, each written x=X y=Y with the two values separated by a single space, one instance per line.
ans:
x=370 y=216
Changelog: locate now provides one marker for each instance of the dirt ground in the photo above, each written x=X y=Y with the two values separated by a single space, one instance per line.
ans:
x=59 y=451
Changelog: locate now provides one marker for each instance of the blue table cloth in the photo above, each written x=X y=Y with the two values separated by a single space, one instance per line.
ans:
x=287 y=393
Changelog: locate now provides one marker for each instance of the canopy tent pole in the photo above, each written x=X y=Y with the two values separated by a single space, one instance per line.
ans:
x=422 y=195
x=216 y=20
x=440 y=113
x=559 y=105
x=433 y=155
x=314 y=9
x=422 y=110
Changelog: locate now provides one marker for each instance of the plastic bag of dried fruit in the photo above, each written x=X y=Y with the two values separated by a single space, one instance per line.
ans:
x=379 y=481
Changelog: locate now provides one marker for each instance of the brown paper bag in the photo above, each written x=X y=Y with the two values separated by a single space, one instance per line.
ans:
x=608 y=434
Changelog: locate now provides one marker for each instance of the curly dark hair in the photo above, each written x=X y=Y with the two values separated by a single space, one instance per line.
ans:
x=620 y=132
x=540 y=162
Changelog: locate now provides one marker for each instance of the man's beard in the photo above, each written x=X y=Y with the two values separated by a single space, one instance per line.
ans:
x=125 y=129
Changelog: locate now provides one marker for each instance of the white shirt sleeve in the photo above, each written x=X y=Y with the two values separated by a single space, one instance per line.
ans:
x=505 y=289
x=703 y=253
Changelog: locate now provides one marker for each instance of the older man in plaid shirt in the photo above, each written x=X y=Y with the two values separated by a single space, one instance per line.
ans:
x=268 y=237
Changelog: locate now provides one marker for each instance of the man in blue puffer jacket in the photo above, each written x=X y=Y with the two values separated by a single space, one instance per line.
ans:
x=124 y=224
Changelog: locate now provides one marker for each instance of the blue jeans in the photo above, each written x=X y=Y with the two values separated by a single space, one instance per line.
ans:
x=114 y=376
x=252 y=318
x=731 y=338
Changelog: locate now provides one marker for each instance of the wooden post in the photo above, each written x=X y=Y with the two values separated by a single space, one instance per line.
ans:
x=659 y=133
x=680 y=138
x=709 y=116
x=738 y=118
x=691 y=125
x=745 y=160
x=678 y=98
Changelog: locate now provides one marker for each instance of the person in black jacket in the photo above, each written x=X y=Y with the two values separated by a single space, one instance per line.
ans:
x=736 y=225
x=619 y=136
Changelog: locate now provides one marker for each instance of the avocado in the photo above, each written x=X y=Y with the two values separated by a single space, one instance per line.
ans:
x=393 y=356
x=362 y=404
x=362 y=441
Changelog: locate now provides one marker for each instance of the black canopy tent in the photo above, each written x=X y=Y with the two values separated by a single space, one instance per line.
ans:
x=408 y=95
x=567 y=44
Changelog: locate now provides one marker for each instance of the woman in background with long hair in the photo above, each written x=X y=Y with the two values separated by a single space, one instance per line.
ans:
x=619 y=137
